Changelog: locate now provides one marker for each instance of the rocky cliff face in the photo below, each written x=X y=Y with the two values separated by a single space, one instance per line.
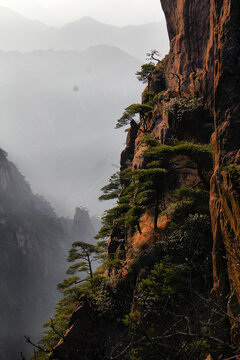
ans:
x=194 y=95
x=82 y=228
x=205 y=53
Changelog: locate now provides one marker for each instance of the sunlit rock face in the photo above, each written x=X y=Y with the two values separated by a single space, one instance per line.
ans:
x=205 y=54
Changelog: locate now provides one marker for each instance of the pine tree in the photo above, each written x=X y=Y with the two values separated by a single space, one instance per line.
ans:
x=150 y=185
x=112 y=189
x=144 y=74
x=144 y=111
x=87 y=254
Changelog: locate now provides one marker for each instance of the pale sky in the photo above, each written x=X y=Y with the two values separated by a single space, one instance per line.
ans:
x=60 y=12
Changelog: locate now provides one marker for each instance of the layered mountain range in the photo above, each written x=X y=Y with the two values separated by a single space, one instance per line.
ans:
x=69 y=94
x=60 y=73
x=21 y=34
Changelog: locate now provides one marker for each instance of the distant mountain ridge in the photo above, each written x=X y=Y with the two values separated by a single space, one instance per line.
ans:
x=21 y=34
x=57 y=125
x=12 y=20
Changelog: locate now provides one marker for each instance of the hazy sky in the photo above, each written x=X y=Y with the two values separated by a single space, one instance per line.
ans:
x=60 y=12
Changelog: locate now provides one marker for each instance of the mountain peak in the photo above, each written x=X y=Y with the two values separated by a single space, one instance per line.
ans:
x=10 y=18
x=84 y=21
x=87 y=19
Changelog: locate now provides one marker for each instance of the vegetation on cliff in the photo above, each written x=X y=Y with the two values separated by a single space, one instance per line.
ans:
x=174 y=277
x=151 y=297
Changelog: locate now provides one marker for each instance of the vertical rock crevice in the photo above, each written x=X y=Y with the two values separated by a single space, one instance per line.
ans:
x=205 y=54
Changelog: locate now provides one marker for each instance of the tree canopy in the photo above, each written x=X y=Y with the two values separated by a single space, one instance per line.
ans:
x=145 y=72
x=144 y=111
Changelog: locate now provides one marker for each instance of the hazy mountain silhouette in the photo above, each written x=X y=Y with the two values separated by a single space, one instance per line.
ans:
x=21 y=34
x=59 y=107
x=34 y=246
x=12 y=20
x=87 y=31
x=58 y=112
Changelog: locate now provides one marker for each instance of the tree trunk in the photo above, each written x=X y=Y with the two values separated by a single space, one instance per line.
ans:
x=139 y=229
x=90 y=266
x=156 y=210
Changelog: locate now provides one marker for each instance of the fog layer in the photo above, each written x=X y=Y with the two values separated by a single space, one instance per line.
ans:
x=59 y=108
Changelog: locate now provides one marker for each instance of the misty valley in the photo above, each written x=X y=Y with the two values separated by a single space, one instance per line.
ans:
x=61 y=91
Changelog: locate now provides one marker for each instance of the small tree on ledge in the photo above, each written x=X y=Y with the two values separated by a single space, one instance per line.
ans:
x=153 y=55
x=144 y=74
x=144 y=111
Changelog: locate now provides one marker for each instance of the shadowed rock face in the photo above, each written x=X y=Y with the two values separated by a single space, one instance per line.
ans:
x=34 y=243
x=205 y=54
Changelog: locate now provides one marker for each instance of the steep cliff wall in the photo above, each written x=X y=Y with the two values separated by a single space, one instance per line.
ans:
x=164 y=295
x=205 y=53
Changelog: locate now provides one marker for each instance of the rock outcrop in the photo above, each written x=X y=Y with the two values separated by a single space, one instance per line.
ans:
x=194 y=93
x=82 y=228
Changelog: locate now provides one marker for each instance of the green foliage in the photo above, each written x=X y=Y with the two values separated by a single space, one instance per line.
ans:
x=177 y=107
x=73 y=288
x=233 y=171
x=167 y=304
x=149 y=140
x=154 y=164
x=149 y=174
x=176 y=267
x=125 y=176
x=200 y=154
x=115 y=260
x=143 y=192
x=145 y=73
x=104 y=232
x=116 y=213
x=113 y=220
x=133 y=355
x=198 y=195
x=133 y=215
x=157 y=96
x=66 y=283
x=158 y=70
x=64 y=309
x=187 y=201
x=190 y=242
x=143 y=189
x=147 y=97
x=150 y=187
x=165 y=279
x=87 y=254
x=112 y=189
x=144 y=111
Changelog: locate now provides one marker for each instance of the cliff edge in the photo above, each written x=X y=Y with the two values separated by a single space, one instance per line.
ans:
x=170 y=287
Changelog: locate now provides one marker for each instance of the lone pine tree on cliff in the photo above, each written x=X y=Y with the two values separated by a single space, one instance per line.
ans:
x=85 y=254
x=144 y=111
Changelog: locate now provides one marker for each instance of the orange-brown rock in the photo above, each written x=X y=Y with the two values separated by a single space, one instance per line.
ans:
x=204 y=60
